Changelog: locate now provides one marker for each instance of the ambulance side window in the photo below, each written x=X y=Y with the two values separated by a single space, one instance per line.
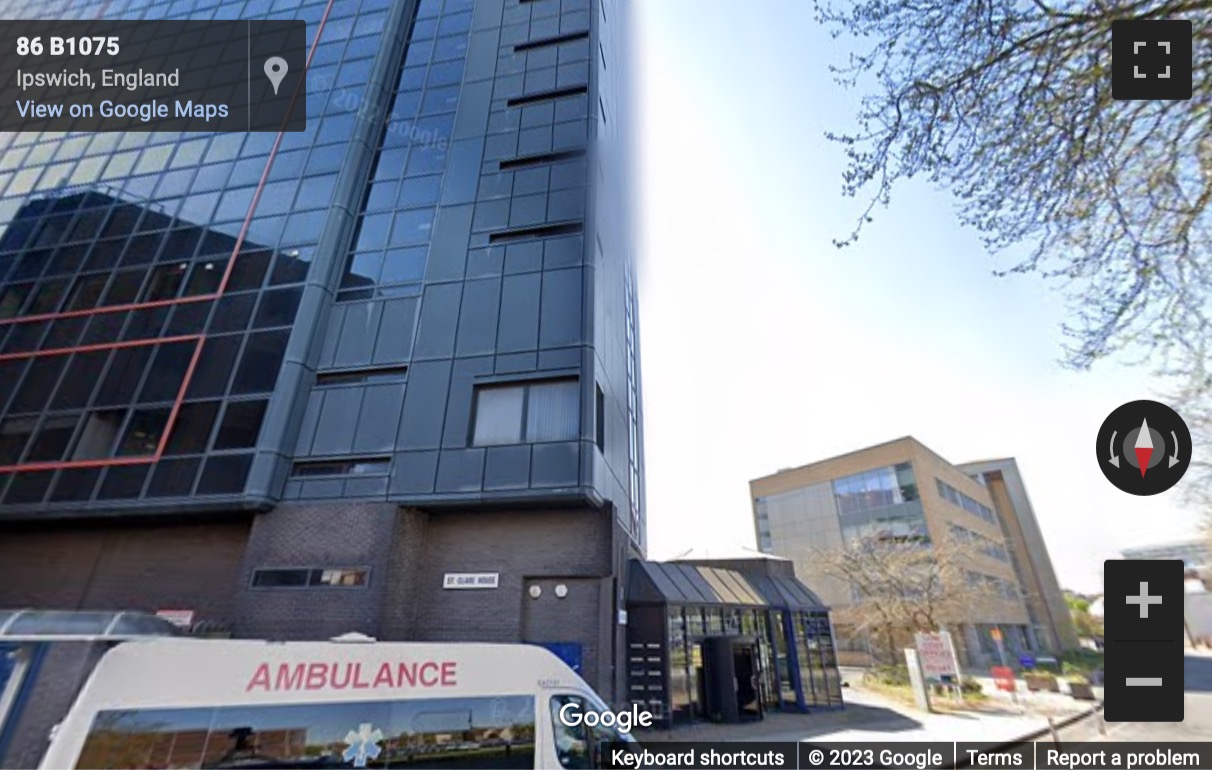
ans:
x=571 y=742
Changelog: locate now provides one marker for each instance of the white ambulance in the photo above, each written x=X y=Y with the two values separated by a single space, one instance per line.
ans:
x=196 y=703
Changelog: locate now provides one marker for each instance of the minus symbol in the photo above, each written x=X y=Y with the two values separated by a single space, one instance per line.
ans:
x=1143 y=681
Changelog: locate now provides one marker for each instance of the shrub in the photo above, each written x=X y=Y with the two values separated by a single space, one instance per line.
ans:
x=897 y=676
x=1081 y=661
x=970 y=686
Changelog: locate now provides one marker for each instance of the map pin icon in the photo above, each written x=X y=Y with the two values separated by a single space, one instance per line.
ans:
x=275 y=70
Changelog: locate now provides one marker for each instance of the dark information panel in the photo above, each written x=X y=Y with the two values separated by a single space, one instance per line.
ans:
x=903 y=755
x=153 y=75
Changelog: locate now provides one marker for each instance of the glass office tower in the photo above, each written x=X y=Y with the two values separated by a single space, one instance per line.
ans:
x=303 y=384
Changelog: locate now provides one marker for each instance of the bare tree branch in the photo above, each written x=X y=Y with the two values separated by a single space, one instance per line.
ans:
x=906 y=585
x=1007 y=103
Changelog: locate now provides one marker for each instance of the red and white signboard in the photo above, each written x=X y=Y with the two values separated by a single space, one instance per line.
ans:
x=1003 y=678
x=937 y=656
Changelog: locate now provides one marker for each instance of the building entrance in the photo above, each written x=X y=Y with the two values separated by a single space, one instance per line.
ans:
x=731 y=678
x=745 y=664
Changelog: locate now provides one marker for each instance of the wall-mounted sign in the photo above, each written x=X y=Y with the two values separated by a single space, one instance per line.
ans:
x=471 y=579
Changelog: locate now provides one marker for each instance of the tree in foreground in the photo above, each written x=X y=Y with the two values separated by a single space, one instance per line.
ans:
x=903 y=586
x=1007 y=104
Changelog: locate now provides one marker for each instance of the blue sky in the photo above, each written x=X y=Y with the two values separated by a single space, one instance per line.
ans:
x=765 y=347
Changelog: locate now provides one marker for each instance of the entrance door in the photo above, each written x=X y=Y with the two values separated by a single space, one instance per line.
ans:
x=768 y=686
x=748 y=695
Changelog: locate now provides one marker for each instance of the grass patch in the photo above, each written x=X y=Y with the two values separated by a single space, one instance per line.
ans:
x=889 y=683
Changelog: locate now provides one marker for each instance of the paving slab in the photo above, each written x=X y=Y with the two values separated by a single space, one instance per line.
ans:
x=873 y=717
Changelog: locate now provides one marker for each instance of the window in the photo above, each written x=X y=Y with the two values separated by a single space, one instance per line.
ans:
x=99 y=434
x=533 y=412
x=353 y=467
x=572 y=743
x=906 y=481
x=165 y=282
x=955 y=497
x=13 y=298
x=568 y=38
x=498 y=417
x=477 y=731
x=241 y=425
x=52 y=442
x=166 y=372
x=873 y=489
x=87 y=291
x=46 y=299
x=547 y=95
x=172 y=478
x=281 y=578
x=527 y=233
x=579 y=746
x=224 y=474
x=545 y=159
x=125 y=287
x=599 y=411
x=310 y=577
x=278 y=308
x=14 y=435
x=191 y=432
x=362 y=377
x=143 y=432
x=263 y=354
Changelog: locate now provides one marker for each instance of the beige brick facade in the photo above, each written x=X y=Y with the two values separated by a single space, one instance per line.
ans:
x=798 y=511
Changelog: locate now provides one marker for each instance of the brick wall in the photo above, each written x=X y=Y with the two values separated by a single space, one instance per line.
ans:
x=516 y=545
x=575 y=547
x=332 y=534
x=576 y=618
x=146 y=567
x=208 y=568
x=399 y=614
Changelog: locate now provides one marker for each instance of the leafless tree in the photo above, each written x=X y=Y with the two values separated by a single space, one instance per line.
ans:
x=904 y=586
x=1007 y=103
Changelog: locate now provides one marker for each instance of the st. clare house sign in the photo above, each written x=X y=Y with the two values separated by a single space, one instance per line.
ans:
x=471 y=579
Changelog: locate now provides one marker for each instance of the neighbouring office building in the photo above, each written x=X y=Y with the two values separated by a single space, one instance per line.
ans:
x=905 y=492
x=406 y=405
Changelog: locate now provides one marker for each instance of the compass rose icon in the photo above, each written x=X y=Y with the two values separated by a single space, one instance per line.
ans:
x=1144 y=447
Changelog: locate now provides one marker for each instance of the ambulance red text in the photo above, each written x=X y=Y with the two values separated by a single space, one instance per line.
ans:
x=352 y=676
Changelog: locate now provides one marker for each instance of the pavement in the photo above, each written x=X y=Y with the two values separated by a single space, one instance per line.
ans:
x=870 y=716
